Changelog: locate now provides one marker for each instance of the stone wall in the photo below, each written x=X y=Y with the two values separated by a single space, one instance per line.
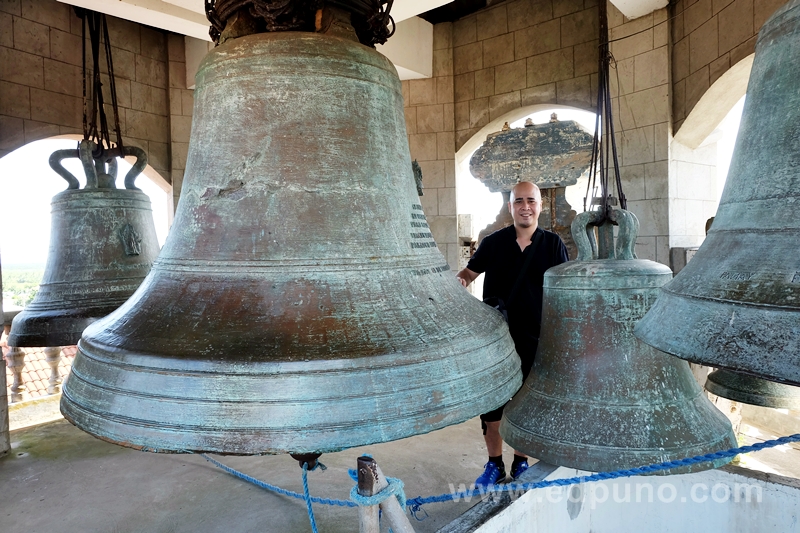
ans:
x=430 y=126
x=181 y=105
x=640 y=78
x=709 y=37
x=521 y=53
x=41 y=79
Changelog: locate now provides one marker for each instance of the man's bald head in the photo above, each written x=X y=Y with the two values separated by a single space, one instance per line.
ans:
x=525 y=188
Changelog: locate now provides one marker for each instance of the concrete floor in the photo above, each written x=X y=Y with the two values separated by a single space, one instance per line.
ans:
x=57 y=478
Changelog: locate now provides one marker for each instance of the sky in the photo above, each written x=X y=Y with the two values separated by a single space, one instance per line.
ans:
x=27 y=183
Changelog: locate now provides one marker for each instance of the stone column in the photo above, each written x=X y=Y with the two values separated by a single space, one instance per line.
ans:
x=15 y=359
x=429 y=122
x=53 y=357
x=5 y=439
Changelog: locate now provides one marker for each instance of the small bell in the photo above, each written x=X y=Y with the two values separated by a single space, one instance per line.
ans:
x=752 y=390
x=597 y=399
x=102 y=245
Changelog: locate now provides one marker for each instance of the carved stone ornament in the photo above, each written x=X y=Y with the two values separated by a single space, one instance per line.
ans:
x=554 y=154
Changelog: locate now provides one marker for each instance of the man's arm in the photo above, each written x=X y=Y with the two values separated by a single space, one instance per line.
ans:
x=466 y=276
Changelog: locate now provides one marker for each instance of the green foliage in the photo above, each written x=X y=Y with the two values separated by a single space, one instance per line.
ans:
x=20 y=286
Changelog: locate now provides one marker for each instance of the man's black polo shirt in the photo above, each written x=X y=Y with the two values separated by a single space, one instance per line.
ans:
x=500 y=258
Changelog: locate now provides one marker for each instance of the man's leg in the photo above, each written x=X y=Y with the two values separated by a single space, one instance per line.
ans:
x=494 y=445
x=494 y=442
x=494 y=470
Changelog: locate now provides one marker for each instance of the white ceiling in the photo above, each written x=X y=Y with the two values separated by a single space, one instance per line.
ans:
x=409 y=49
x=187 y=17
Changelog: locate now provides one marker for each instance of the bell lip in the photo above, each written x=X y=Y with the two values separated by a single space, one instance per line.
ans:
x=50 y=328
x=753 y=339
x=418 y=418
x=595 y=458
x=771 y=394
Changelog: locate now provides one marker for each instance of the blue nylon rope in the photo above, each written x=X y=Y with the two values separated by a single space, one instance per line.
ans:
x=414 y=504
x=276 y=489
x=307 y=498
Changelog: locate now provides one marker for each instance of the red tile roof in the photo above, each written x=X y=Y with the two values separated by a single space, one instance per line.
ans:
x=36 y=373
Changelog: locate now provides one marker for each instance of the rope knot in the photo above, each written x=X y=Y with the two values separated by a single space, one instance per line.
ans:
x=395 y=488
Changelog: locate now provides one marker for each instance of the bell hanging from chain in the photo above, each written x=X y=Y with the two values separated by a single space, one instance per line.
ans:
x=736 y=304
x=300 y=303
x=752 y=390
x=102 y=245
x=597 y=399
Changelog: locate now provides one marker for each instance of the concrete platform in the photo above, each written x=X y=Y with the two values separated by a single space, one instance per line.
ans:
x=58 y=478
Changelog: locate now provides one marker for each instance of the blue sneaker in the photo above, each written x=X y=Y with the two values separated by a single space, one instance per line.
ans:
x=492 y=474
x=518 y=469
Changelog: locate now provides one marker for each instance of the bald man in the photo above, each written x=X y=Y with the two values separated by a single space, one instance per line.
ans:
x=501 y=256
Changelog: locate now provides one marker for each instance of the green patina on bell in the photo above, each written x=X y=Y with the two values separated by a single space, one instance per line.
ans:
x=752 y=390
x=736 y=305
x=102 y=245
x=598 y=399
x=300 y=303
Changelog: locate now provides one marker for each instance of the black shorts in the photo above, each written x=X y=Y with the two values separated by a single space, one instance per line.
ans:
x=527 y=353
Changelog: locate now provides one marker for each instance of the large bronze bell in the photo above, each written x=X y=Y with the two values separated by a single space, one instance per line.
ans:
x=736 y=305
x=752 y=390
x=300 y=303
x=102 y=245
x=597 y=399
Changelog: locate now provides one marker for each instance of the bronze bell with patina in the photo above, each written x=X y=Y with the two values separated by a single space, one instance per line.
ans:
x=752 y=390
x=102 y=245
x=736 y=305
x=597 y=399
x=300 y=303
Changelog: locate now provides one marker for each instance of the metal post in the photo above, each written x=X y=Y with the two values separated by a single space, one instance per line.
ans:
x=370 y=482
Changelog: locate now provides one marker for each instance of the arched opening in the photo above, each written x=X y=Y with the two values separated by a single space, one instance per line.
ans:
x=700 y=154
x=28 y=183
x=478 y=207
x=473 y=198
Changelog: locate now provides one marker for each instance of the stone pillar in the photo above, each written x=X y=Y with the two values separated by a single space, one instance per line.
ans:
x=640 y=98
x=15 y=359
x=53 y=357
x=430 y=125
x=5 y=439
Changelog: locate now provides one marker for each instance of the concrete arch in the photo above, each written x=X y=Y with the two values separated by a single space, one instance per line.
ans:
x=715 y=104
